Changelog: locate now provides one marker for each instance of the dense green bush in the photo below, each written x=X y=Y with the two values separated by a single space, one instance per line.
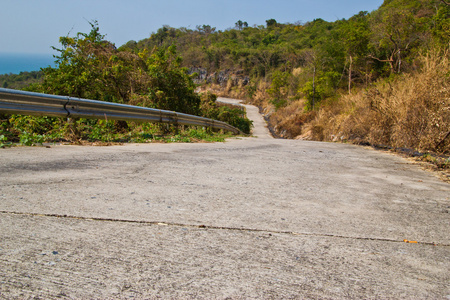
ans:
x=226 y=113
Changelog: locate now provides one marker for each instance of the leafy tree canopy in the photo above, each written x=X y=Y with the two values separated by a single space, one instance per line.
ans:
x=90 y=67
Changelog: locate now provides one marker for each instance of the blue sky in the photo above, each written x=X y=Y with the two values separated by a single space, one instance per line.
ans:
x=33 y=26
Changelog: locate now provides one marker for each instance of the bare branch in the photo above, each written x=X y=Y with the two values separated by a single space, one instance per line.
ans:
x=381 y=60
x=392 y=40
x=445 y=2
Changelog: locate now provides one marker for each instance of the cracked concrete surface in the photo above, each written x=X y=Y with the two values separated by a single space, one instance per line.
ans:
x=249 y=218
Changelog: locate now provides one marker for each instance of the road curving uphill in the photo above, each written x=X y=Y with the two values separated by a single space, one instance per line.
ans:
x=254 y=217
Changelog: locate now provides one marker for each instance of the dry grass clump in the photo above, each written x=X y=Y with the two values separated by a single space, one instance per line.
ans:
x=411 y=111
x=288 y=121
x=228 y=91
x=260 y=96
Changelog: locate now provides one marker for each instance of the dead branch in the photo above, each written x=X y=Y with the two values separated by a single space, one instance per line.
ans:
x=381 y=60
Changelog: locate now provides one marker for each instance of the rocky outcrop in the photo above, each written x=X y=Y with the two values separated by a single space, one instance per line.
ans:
x=220 y=77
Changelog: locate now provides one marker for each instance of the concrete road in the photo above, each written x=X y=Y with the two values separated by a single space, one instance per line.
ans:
x=252 y=217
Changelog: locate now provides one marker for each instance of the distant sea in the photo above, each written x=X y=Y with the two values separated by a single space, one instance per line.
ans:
x=24 y=62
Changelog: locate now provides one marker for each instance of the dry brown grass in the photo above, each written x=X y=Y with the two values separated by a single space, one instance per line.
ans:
x=412 y=111
x=289 y=121
x=228 y=91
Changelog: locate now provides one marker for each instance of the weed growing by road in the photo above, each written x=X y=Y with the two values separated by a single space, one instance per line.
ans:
x=28 y=131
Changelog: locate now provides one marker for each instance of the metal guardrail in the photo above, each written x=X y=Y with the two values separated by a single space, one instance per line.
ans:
x=36 y=104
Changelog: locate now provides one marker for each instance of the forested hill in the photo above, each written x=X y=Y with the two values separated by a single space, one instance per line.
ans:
x=369 y=45
x=378 y=78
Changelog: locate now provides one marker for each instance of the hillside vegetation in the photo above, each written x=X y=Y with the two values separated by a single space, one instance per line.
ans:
x=88 y=66
x=21 y=80
x=379 y=77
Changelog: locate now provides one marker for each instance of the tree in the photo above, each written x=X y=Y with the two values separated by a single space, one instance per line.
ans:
x=441 y=28
x=170 y=87
x=240 y=25
x=206 y=29
x=271 y=23
x=355 y=35
x=279 y=88
x=90 y=67
x=161 y=34
x=76 y=73
x=397 y=28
